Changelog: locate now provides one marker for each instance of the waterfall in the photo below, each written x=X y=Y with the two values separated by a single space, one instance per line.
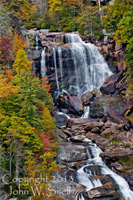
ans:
x=60 y=63
x=90 y=67
x=43 y=64
x=36 y=42
x=56 y=73
x=84 y=176
x=81 y=66
x=86 y=112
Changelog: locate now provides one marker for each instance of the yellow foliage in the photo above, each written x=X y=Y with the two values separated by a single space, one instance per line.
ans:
x=48 y=120
x=21 y=62
x=6 y=86
x=41 y=175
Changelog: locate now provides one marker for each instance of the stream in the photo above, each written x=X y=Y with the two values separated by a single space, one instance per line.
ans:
x=84 y=175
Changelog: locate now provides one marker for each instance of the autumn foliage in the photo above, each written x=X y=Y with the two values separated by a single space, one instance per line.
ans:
x=5 y=50
x=18 y=44
x=27 y=129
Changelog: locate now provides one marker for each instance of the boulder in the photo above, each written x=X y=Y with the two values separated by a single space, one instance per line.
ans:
x=66 y=189
x=96 y=110
x=68 y=133
x=109 y=85
x=122 y=136
x=116 y=154
x=115 y=117
x=95 y=130
x=70 y=152
x=104 y=103
x=92 y=125
x=106 y=133
x=61 y=134
x=128 y=108
x=61 y=118
x=77 y=138
x=107 y=191
x=100 y=141
x=115 y=128
x=88 y=97
x=121 y=88
x=121 y=65
x=72 y=103
x=76 y=121
x=129 y=135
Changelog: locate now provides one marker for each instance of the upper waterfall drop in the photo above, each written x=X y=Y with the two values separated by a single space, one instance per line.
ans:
x=90 y=67
x=77 y=66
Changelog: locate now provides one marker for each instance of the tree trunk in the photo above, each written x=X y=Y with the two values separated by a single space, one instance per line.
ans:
x=17 y=167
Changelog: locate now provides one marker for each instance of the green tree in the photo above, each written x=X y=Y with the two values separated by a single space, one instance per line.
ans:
x=21 y=62
x=124 y=35
x=125 y=28
x=115 y=13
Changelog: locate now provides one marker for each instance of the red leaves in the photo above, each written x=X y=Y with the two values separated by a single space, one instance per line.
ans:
x=5 y=48
x=49 y=143
x=40 y=108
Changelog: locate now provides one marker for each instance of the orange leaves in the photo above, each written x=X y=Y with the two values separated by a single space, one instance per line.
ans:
x=49 y=144
x=6 y=86
x=18 y=44
x=46 y=84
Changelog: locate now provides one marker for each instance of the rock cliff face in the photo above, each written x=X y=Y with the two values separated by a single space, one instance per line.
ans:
x=68 y=62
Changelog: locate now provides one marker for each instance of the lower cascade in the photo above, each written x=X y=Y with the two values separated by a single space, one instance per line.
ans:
x=78 y=68
x=84 y=178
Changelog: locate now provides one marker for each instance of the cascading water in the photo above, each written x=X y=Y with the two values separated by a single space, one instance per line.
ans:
x=43 y=64
x=36 y=42
x=60 y=63
x=85 y=67
x=56 y=73
x=84 y=176
x=90 y=67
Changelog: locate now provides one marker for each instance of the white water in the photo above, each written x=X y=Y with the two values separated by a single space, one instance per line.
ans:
x=81 y=197
x=36 y=42
x=84 y=63
x=86 y=112
x=43 y=64
x=90 y=67
x=60 y=63
x=61 y=113
x=56 y=73
x=85 y=179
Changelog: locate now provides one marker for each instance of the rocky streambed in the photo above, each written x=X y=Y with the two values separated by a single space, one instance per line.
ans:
x=85 y=144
